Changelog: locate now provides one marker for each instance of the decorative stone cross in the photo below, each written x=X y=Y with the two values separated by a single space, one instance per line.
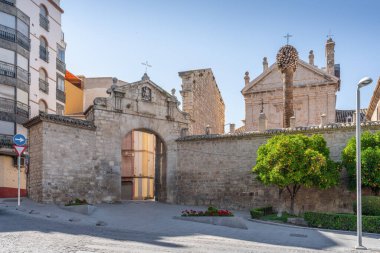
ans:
x=330 y=35
x=287 y=36
x=146 y=64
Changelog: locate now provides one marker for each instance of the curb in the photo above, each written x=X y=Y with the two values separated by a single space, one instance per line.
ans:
x=311 y=228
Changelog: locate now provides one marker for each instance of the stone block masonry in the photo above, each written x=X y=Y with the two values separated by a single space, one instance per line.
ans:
x=203 y=101
x=63 y=162
x=216 y=170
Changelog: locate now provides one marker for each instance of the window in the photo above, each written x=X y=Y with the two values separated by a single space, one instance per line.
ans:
x=61 y=54
x=7 y=20
x=44 y=21
x=60 y=83
x=7 y=127
x=60 y=109
x=44 y=84
x=44 y=54
x=42 y=106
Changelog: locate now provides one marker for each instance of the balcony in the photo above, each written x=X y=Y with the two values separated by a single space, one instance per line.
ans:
x=10 y=34
x=44 y=86
x=61 y=96
x=44 y=22
x=44 y=53
x=12 y=107
x=61 y=66
x=10 y=2
x=6 y=141
x=10 y=70
x=7 y=69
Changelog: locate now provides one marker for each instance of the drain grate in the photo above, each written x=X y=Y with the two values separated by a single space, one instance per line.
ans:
x=298 y=235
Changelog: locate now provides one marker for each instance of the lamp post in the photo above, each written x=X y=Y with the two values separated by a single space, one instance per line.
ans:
x=363 y=82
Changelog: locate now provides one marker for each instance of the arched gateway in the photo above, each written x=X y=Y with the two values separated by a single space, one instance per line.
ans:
x=125 y=149
x=137 y=127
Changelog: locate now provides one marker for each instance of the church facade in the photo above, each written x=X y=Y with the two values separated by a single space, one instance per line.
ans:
x=313 y=94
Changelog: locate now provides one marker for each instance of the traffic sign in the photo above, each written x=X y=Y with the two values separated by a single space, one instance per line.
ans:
x=19 y=149
x=19 y=140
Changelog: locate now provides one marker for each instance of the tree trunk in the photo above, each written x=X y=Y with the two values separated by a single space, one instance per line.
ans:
x=287 y=96
x=292 y=200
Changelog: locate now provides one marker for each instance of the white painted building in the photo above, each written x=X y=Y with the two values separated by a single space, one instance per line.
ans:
x=32 y=73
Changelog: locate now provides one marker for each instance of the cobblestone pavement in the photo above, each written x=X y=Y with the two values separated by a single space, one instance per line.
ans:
x=26 y=231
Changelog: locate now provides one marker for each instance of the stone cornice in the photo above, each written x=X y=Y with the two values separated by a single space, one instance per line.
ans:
x=372 y=125
x=374 y=100
x=62 y=120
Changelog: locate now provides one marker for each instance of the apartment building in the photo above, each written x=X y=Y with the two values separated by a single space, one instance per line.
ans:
x=32 y=75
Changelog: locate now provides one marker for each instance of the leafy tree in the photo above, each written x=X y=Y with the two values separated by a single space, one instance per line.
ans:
x=293 y=161
x=370 y=158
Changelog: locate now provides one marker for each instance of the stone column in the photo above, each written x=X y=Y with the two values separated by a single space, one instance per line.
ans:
x=323 y=120
x=265 y=64
x=262 y=122
x=311 y=57
x=287 y=60
x=287 y=97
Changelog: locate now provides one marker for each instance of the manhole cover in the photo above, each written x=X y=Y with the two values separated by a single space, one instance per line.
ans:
x=298 y=235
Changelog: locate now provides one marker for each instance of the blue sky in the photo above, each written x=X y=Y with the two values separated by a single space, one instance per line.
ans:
x=113 y=38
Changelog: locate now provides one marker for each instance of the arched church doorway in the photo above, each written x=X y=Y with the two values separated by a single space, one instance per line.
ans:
x=143 y=166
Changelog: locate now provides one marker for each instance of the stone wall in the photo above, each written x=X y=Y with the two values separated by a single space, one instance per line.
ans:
x=216 y=170
x=202 y=99
x=63 y=162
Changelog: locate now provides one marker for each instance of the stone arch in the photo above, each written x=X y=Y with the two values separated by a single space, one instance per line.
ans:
x=143 y=165
x=42 y=106
x=43 y=10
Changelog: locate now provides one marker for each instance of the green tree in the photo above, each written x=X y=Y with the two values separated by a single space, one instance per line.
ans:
x=370 y=158
x=294 y=161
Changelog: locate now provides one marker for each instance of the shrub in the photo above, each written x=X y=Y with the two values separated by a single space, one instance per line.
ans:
x=257 y=213
x=342 y=221
x=370 y=205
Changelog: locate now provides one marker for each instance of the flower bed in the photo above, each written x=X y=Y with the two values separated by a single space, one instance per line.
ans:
x=211 y=211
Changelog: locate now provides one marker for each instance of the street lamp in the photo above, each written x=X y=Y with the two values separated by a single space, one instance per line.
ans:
x=363 y=82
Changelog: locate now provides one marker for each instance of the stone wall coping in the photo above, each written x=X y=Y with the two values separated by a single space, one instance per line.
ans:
x=62 y=120
x=297 y=130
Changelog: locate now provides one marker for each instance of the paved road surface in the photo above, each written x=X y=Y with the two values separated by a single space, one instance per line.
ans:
x=149 y=227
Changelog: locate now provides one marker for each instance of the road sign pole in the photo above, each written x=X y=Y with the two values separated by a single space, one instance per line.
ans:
x=18 y=169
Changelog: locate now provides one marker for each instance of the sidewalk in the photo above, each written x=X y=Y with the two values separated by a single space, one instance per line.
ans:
x=155 y=217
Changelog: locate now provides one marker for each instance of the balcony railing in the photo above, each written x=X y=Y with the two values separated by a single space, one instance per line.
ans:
x=23 y=40
x=10 y=2
x=44 y=53
x=7 y=69
x=23 y=75
x=61 y=96
x=11 y=106
x=61 y=66
x=10 y=70
x=44 y=86
x=44 y=22
x=6 y=141
x=10 y=34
